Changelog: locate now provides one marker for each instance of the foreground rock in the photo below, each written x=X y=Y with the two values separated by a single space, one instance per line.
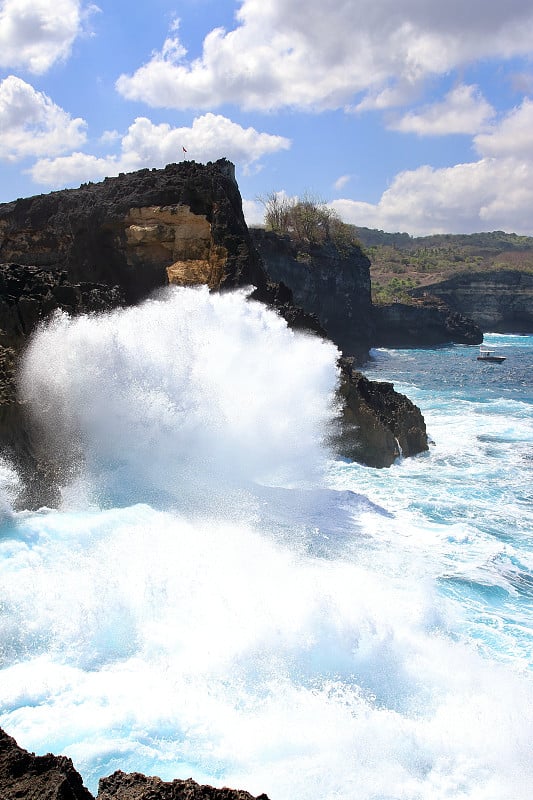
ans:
x=25 y=776
x=499 y=301
x=426 y=322
x=380 y=424
x=113 y=243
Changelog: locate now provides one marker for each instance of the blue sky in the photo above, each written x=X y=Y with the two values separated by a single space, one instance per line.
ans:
x=410 y=115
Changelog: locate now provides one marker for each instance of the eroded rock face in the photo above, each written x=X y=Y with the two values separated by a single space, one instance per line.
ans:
x=25 y=776
x=137 y=231
x=425 y=323
x=332 y=284
x=496 y=301
x=379 y=423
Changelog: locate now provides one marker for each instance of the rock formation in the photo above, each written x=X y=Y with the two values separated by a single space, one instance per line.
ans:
x=500 y=301
x=424 y=323
x=379 y=424
x=329 y=282
x=25 y=776
x=114 y=242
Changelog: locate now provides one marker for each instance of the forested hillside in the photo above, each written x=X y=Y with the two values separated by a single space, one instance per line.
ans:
x=401 y=262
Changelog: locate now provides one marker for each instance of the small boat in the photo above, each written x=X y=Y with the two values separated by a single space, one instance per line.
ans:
x=490 y=356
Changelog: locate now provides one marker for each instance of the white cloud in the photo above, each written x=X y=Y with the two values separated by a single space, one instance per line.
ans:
x=463 y=110
x=513 y=136
x=145 y=144
x=308 y=54
x=32 y=125
x=254 y=212
x=341 y=182
x=34 y=34
x=485 y=195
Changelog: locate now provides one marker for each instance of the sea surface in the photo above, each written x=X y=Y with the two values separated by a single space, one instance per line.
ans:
x=221 y=597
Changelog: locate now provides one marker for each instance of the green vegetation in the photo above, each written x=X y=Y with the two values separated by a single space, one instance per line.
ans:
x=400 y=262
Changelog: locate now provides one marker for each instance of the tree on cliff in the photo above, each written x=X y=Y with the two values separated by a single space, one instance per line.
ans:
x=306 y=220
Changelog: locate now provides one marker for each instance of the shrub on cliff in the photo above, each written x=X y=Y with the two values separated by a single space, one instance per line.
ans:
x=306 y=220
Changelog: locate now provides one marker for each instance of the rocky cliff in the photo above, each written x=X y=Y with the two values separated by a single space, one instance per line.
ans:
x=114 y=242
x=329 y=282
x=426 y=322
x=25 y=776
x=500 y=301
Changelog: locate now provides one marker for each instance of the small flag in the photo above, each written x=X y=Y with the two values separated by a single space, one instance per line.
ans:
x=184 y=150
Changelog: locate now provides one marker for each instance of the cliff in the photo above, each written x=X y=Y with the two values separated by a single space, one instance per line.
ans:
x=329 y=282
x=114 y=242
x=426 y=322
x=25 y=776
x=499 y=301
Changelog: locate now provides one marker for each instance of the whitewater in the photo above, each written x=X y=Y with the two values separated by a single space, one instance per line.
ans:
x=221 y=596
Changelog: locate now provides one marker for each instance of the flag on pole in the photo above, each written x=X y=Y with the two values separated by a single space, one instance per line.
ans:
x=184 y=150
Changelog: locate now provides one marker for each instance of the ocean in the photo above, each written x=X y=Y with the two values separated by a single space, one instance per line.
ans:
x=221 y=597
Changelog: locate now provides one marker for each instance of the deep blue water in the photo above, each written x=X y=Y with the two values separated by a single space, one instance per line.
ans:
x=220 y=598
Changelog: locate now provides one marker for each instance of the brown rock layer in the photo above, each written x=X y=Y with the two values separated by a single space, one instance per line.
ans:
x=25 y=776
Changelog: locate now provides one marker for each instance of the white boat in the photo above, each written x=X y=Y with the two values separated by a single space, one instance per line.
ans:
x=490 y=356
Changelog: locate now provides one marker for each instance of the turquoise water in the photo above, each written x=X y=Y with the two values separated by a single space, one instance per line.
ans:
x=219 y=597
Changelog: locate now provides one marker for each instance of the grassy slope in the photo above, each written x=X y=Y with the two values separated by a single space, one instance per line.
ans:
x=401 y=262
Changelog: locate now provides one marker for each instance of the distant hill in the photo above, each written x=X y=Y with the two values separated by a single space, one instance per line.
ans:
x=400 y=262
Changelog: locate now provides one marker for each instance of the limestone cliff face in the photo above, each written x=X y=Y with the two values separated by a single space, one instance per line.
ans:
x=182 y=224
x=330 y=283
x=25 y=776
x=497 y=301
x=424 y=323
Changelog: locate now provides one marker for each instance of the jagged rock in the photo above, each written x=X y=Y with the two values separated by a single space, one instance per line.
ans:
x=425 y=322
x=380 y=424
x=500 y=301
x=182 y=224
x=134 y=786
x=332 y=284
x=25 y=776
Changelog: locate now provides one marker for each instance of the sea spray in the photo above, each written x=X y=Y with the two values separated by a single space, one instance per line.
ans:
x=300 y=646
x=184 y=392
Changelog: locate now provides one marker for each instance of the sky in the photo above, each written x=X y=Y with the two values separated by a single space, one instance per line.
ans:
x=403 y=115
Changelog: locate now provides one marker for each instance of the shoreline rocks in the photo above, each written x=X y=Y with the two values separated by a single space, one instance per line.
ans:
x=25 y=776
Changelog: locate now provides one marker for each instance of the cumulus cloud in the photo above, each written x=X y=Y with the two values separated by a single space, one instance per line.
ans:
x=32 y=125
x=304 y=54
x=34 y=34
x=484 y=195
x=463 y=110
x=512 y=136
x=145 y=144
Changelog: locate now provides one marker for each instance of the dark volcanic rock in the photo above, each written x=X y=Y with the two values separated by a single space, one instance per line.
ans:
x=331 y=283
x=25 y=776
x=380 y=424
x=134 y=786
x=424 y=323
x=137 y=231
x=500 y=301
